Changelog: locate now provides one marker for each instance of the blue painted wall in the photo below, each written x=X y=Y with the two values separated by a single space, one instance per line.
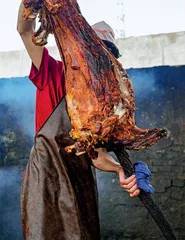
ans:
x=159 y=94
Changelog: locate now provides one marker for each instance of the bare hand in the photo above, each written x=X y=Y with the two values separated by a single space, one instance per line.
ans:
x=129 y=184
x=106 y=163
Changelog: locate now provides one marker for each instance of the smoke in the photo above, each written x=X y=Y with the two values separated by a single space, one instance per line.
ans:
x=10 y=221
x=19 y=95
x=158 y=92
x=144 y=84
x=143 y=81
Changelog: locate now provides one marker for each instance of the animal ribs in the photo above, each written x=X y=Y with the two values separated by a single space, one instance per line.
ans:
x=99 y=94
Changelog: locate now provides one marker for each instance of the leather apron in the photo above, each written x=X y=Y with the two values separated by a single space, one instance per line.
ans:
x=59 y=195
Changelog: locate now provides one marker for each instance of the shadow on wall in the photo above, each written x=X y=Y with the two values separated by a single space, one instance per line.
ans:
x=160 y=101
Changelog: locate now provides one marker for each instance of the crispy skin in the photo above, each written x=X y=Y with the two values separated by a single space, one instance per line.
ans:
x=100 y=97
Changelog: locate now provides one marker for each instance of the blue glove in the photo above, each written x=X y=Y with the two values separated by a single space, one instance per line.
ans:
x=143 y=174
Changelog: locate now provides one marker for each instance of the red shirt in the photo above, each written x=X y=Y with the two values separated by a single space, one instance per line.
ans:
x=50 y=83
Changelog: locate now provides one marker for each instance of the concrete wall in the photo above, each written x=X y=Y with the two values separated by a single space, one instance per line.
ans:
x=160 y=101
x=153 y=50
x=159 y=95
x=137 y=52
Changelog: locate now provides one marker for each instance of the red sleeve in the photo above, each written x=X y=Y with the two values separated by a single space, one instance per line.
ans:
x=40 y=78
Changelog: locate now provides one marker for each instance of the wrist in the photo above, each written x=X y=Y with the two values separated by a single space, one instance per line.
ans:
x=24 y=26
x=118 y=168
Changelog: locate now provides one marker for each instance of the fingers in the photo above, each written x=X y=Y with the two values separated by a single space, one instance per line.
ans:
x=135 y=193
x=129 y=184
x=126 y=181
x=133 y=188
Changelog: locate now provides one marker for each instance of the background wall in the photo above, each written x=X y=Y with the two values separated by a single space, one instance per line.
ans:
x=137 y=52
x=160 y=101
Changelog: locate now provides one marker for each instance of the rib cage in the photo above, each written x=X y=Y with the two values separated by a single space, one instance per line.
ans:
x=99 y=94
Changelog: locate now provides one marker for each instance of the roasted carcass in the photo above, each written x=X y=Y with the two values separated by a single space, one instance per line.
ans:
x=100 y=97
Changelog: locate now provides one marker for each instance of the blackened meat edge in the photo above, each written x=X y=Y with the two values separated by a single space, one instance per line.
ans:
x=99 y=93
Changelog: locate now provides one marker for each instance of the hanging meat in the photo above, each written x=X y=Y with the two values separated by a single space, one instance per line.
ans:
x=99 y=93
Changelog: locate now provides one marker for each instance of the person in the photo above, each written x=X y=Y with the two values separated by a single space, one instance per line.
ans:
x=47 y=74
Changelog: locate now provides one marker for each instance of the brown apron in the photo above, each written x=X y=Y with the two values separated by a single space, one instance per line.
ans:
x=59 y=197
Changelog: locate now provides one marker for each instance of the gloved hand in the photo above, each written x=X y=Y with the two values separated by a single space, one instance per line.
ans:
x=143 y=174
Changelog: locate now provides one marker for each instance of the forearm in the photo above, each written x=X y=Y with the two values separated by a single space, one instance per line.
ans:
x=105 y=162
x=24 y=26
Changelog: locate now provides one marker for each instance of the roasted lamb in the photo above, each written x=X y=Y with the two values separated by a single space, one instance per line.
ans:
x=99 y=93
